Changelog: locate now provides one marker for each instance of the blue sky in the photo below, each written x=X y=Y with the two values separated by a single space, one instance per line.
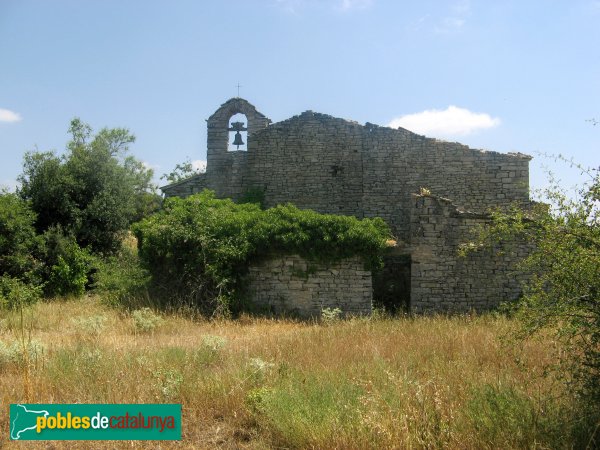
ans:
x=505 y=76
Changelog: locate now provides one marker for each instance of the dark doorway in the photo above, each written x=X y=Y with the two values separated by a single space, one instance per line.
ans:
x=391 y=285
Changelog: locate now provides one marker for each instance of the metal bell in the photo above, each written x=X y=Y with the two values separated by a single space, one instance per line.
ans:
x=238 y=140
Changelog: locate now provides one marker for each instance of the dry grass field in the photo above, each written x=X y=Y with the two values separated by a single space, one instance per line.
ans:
x=434 y=382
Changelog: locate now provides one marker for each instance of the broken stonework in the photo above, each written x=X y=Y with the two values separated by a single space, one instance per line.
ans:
x=337 y=166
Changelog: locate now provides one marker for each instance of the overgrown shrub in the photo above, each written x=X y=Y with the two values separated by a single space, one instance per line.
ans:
x=210 y=351
x=67 y=266
x=197 y=249
x=145 y=320
x=15 y=293
x=94 y=191
x=254 y=195
x=330 y=315
x=121 y=280
x=18 y=353
x=18 y=239
x=92 y=325
x=51 y=262
x=213 y=343
x=563 y=295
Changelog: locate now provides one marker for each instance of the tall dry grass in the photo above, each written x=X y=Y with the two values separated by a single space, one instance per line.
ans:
x=426 y=382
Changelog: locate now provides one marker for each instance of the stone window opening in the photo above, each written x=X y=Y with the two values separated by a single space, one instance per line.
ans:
x=238 y=133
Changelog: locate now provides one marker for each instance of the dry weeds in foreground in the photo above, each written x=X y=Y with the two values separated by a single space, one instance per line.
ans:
x=257 y=383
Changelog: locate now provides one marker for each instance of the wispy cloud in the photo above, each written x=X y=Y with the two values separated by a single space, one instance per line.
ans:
x=6 y=115
x=456 y=19
x=452 y=121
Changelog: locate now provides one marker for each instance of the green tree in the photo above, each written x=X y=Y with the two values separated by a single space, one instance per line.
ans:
x=563 y=295
x=181 y=172
x=31 y=264
x=66 y=266
x=20 y=278
x=18 y=239
x=94 y=191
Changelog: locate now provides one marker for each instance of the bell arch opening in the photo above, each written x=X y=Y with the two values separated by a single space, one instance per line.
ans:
x=238 y=133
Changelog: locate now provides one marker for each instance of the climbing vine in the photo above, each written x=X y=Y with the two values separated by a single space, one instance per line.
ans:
x=198 y=249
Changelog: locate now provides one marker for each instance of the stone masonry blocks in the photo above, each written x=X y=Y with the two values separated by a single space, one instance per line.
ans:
x=290 y=284
x=338 y=166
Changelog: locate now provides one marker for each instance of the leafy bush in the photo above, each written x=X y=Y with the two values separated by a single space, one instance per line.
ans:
x=145 y=320
x=18 y=353
x=67 y=266
x=213 y=343
x=15 y=293
x=210 y=350
x=18 y=239
x=93 y=325
x=94 y=191
x=52 y=261
x=254 y=195
x=563 y=295
x=182 y=171
x=256 y=399
x=259 y=369
x=197 y=249
x=121 y=280
x=331 y=315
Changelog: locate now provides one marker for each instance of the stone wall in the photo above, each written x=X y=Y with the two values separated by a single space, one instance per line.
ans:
x=441 y=280
x=292 y=285
x=338 y=166
x=228 y=171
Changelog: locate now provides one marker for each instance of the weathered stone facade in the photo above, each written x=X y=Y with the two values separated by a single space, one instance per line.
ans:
x=290 y=284
x=441 y=280
x=337 y=166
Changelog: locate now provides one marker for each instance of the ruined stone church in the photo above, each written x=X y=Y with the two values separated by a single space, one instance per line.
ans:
x=432 y=194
